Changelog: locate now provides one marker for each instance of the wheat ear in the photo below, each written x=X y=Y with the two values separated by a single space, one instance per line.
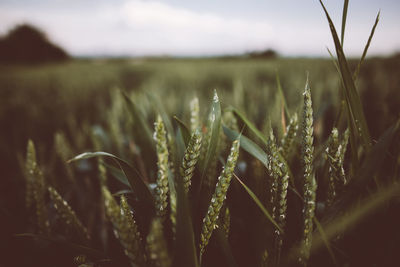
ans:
x=217 y=200
x=190 y=159
x=331 y=154
x=134 y=231
x=123 y=230
x=38 y=187
x=280 y=182
x=194 y=114
x=64 y=151
x=67 y=214
x=288 y=139
x=163 y=166
x=309 y=185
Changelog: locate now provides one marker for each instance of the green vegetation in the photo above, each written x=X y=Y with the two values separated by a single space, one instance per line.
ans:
x=272 y=168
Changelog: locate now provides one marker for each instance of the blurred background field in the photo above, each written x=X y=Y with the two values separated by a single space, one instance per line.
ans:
x=39 y=100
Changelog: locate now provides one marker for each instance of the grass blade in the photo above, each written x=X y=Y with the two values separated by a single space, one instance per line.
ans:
x=214 y=127
x=258 y=202
x=366 y=47
x=248 y=145
x=184 y=130
x=117 y=173
x=251 y=126
x=344 y=17
x=280 y=90
x=356 y=115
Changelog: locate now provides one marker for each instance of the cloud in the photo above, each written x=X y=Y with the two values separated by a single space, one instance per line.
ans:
x=135 y=27
x=143 y=27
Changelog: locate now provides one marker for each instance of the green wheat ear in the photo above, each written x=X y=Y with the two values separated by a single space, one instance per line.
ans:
x=67 y=214
x=335 y=156
x=64 y=151
x=331 y=156
x=163 y=165
x=134 y=231
x=279 y=172
x=195 y=123
x=288 y=139
x=190 y=159
x=217 y=200
x=309 y=185
x=36 y=187
x=226 y=220
x=124 y=230
x=156 y=245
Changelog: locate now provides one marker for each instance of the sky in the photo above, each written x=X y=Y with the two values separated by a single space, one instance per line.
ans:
x=204 y=28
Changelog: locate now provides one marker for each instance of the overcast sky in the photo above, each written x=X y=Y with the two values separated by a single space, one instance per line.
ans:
x=196 y=28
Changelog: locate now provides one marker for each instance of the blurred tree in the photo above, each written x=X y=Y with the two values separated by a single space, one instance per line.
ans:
x=27 y=44
x=266 y=54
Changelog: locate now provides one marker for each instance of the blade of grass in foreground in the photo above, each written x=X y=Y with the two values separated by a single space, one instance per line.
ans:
x=366 y=47
x=214 y=127
x=184 y=130
x=344 y=17
x=258 y=202
x=131 y=174
x=254 y=150
x=186 y=254
x=280 y=90
x=355 y=112
x=251 y=126
x=247 y=145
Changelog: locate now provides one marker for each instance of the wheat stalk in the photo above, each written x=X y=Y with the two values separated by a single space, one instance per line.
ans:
x=163 y=166
x=190 y=159
x=156 y=245
x=309 y=185
x=217 y=200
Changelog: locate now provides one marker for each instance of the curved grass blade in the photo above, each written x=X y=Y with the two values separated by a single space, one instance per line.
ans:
x=251 y=126
x=248 y=145
x=258 y=202
x=356 y=115
x=325 y=239
x=366 y=47
x=184 y=130
x=131 y=174
x=280 y=90
x=344 y=17
x=254 y=150
x=117 y=173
